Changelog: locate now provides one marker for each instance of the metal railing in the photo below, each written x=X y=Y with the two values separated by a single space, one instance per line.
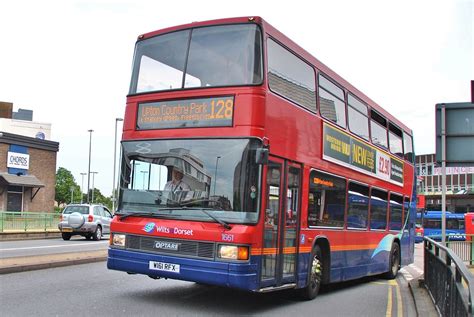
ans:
x=463 y=249
x=448 y=280
x=11 y=221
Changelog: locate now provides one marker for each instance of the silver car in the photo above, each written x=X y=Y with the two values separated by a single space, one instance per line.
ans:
x=90 y=221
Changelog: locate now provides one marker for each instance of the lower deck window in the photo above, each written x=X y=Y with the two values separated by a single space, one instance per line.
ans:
x=378 y=209
x=327 y=200
x=396 y=212
x=358 y=211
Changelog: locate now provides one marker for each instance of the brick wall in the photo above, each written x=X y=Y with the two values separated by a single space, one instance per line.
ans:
x=3 y=169
x=43 y=166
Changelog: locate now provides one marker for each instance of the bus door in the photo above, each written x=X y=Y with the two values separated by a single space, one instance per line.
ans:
x=283 y=191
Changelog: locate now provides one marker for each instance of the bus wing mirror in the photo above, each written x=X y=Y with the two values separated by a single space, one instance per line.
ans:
x=261 y=156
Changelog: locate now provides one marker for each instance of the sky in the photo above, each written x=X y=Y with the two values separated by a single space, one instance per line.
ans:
x=70 y=61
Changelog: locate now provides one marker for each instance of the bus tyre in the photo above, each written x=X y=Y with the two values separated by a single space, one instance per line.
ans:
x=394 y=262
x=315 y=274
x=66 y=236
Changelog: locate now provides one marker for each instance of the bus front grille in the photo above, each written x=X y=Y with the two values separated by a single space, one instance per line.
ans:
x=178 y=247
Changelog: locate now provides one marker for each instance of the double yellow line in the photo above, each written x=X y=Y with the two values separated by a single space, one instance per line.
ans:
x=391 y=285
x=390 y=302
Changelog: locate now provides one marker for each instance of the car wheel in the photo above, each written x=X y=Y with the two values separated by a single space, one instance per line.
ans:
x=315 y=274
x=98 y=233
x=394 y=262
x=66 y=236
x=88 y=237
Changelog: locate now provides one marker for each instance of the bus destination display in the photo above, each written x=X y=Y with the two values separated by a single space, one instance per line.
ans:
x=188 y=113
x=346 y=150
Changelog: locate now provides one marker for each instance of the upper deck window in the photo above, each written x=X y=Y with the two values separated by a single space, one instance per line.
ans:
x=408 y=147
x=215 y=56
x=378 y=129
x=395 y=138
x=291 y=77
x=331 y=102
x=358 y=117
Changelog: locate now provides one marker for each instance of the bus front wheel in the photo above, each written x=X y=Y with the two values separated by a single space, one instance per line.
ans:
x=315 y=274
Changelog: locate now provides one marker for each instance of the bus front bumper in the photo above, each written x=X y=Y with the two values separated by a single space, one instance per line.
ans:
x=229 y=274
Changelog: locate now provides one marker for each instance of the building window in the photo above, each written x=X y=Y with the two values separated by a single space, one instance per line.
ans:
x=290 y=76
x=15 y=198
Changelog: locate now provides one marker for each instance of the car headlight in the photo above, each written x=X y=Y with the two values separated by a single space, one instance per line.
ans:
x=118 y=240
x=233 y=252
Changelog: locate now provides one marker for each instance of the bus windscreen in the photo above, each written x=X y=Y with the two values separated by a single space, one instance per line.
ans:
x=217 y=56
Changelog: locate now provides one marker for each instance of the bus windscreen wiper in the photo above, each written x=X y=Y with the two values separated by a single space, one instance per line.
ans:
x=222 y=222
x=136 y=214
x=184 y=205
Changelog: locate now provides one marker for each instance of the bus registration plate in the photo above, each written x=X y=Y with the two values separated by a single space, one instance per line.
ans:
x=162 y=266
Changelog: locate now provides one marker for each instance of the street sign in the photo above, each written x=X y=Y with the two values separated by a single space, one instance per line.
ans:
x=454 y=144
x=459 y=132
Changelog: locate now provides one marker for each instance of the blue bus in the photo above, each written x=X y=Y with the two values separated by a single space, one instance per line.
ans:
x=431 y=222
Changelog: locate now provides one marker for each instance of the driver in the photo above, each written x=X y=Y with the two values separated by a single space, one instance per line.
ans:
x=176 y=184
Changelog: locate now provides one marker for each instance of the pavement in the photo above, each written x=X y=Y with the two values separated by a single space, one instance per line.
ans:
x=423 y=303
x=38 y=262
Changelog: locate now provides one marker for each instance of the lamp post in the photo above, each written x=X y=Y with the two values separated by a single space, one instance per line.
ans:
x=89 y=169
x=115 y=160
x=82 y=187
x=72 y=194
x=93 y=174
x=215 y=175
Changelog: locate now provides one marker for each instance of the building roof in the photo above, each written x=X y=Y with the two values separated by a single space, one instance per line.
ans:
x=23 y=180
x=10 y=138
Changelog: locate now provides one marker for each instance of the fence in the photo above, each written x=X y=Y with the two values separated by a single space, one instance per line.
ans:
x=28 y=221
x=463 y=249
x=448 y=280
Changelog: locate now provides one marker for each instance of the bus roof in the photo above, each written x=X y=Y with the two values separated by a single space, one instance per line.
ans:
x=283 y=39
x=436 y=214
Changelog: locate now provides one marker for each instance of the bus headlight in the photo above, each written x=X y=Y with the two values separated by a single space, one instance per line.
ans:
x=118 y=240
x=233 y=252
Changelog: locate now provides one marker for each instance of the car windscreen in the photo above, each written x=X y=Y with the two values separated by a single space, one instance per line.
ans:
x=80 y=209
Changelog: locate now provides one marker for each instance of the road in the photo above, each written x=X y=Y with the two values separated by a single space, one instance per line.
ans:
x=91 y=289
x=17 y=248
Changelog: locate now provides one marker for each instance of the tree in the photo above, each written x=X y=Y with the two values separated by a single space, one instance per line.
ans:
x=101 y=199
x=64 y=182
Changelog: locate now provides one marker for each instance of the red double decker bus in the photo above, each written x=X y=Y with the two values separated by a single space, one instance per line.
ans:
x=247 y=163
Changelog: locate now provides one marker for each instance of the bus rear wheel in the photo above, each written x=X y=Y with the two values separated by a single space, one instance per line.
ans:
x=315 y=275
x=394 y=262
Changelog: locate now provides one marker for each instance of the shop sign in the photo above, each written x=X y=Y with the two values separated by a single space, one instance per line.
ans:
x=18 y=160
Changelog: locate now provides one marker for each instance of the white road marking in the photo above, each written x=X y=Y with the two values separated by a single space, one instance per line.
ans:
x=54 y=246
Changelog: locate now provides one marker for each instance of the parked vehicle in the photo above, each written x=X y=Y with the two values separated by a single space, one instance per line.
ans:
x=431 y=222
x=87 y=220
x=419 y=233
